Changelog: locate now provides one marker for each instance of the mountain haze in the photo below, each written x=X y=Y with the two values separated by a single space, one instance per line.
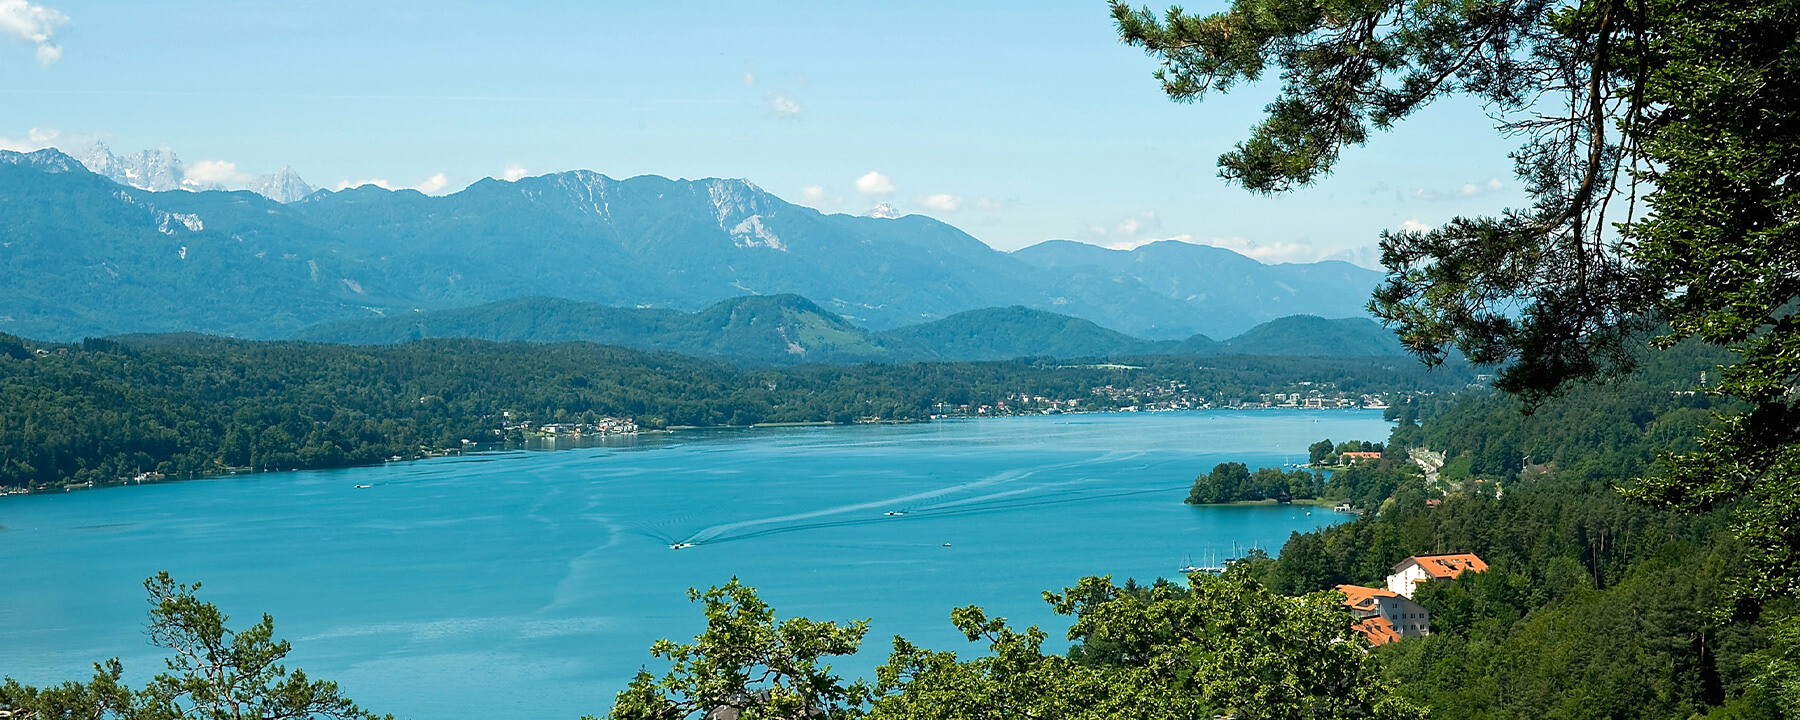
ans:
x=789 y=329
x=1011 y=332
x=85 y=255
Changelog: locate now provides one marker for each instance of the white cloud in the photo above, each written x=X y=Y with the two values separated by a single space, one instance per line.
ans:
x=212 y=172
x=874 y=184
x=750 y=73
x=1267 y=252
x=1142 y=223
x=817 y=196
x=1467 y=191
x=1367 y=256
x=1135 y=243
x=429 y=186
x=432 y=185
x=513 y=172
x=377 y=182
x=1126 y=232
x=988 y=204
x=783 y=105
x=34 y=24
x=1414 y=226
x=38 y=139
x=941 y=202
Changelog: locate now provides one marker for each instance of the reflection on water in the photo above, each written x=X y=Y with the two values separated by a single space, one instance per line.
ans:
x=530 y=584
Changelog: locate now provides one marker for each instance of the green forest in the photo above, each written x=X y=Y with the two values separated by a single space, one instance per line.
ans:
x=104 y=410
x=1593 y=605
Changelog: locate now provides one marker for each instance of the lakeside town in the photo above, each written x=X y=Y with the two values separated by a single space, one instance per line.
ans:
x=1173 y=395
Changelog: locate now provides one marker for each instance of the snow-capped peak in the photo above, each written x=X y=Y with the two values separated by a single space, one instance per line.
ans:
x=284 y=186
x=155 y=170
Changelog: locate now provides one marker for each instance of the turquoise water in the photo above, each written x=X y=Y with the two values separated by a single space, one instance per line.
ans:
x=530 y=584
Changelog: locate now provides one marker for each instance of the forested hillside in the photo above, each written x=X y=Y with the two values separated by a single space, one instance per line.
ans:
x=104 y=410
x=1593 y=606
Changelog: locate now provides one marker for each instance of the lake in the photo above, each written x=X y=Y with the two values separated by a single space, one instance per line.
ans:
x=530 y=584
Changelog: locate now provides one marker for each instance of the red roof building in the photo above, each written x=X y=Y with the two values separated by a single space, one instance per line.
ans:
x=1426 y=568
x=1386 y=616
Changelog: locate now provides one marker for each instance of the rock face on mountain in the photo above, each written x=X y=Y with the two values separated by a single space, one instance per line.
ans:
x=283 y=186
x=162 y=171
x=154 y=170
x=84 y=255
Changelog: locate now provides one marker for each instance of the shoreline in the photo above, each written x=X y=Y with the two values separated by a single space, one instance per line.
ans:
x=670 y=429
x=1309 y=502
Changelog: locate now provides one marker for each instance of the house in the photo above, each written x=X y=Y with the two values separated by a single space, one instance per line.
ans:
x=1386 y=615
x=1426 y=568
x=1360 y=455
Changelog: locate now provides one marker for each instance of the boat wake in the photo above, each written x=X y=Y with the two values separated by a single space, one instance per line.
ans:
x=1001 y=492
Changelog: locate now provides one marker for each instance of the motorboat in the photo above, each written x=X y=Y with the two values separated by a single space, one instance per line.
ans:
x=681 y=546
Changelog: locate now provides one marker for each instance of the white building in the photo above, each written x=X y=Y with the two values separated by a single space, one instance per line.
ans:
x=1386 y=616
x=1426 y=568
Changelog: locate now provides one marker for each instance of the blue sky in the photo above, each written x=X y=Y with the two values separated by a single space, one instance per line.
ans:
x=1016 y=121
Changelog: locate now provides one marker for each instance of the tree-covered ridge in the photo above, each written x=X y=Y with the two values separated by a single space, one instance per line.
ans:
x=110 y=409
x=790 y=330
x=1593 y=606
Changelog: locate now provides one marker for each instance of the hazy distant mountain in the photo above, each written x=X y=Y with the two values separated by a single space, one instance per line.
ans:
x=284 y=186
x=787 y=329
x=768 y=329
x=161 y=171
x=1309 y=335
x=155 y=170
x=1198 y=276
x=82 y=255
x=1010 y=332
x=49 y=162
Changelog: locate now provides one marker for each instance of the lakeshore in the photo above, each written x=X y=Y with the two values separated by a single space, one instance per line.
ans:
x=543 y=577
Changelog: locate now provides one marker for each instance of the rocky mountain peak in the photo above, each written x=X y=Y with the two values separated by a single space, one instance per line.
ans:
x=283 y=186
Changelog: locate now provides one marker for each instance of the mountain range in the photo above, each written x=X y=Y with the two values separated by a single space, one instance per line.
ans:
x=82 y=254
x=786 y=329
x=160 y=170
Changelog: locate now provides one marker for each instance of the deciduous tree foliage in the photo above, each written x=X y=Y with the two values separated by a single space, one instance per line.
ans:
x=1222 y=645
x=746 y=662
x=214 y=673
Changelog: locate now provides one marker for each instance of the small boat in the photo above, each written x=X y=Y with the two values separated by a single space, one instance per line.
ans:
x=359 y=487
x=892 y=513
x=946 y=544
x=681 y=546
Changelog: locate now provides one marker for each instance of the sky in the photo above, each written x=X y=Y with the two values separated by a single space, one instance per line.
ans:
x=1018 y=122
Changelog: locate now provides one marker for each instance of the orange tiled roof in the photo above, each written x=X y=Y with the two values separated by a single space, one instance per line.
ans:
x=1363 y=598
x=1362 y=454
x=1378 y=630
x=1446 y=566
